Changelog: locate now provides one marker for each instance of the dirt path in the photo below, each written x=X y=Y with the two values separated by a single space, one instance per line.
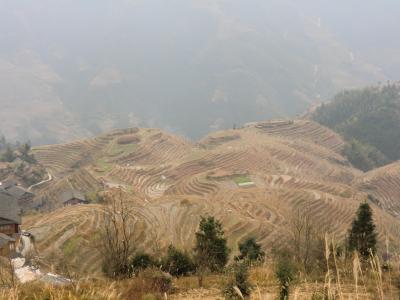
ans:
x=50 y=177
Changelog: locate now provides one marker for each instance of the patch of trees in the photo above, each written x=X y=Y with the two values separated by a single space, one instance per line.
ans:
x=9 y=152
x=369 y=120
x=363 y=156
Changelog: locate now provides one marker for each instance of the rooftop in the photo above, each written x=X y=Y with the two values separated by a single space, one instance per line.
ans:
x=9 y=209
x=72 y=194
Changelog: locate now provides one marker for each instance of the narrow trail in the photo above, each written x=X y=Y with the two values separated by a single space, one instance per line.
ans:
x=50 y=178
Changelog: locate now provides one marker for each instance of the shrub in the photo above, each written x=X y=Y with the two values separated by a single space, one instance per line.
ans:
x=250 y=251
x=177 y=263
x=238 y=286
x=150 y=284
x=285 y=274
x=211 y=251
x=157 y=280
x=141 y=261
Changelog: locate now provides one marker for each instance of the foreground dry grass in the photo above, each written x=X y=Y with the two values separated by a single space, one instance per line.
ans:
x=347 y=284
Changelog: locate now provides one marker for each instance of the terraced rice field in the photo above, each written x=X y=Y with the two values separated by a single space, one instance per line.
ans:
x=295 y=166
x=384 y=185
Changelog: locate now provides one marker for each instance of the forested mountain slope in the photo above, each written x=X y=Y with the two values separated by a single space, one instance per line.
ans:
x=369 y=119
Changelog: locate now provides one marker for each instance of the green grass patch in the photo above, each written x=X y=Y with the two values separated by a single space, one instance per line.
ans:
x=103 y=166
x=345 y=194
x=71 y=245
x=94 y=237
x=116 y=149
x=194 y=155
x=241 y=179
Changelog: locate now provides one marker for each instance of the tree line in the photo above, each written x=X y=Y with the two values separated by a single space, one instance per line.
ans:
x=369 y=121
x=9 y=151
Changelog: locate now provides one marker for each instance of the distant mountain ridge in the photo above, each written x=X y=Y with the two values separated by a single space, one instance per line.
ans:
x=190 y=66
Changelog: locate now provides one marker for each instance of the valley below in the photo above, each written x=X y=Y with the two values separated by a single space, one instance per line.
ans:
x=254 y=179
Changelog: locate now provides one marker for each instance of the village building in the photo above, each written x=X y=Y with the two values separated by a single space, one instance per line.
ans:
x=73 y=198
x=10 y=221
x=24 y=197
x=7 y=245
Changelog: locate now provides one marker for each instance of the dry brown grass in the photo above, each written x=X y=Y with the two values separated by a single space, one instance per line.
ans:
x=372 y=284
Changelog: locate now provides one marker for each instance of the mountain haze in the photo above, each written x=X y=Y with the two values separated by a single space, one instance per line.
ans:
x=75 y=69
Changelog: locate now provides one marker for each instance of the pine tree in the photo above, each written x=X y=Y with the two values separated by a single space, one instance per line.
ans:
x=8 y=155
x=211 y=251
x=362 y=235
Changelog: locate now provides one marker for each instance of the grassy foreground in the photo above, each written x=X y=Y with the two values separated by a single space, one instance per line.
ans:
x=343 y=282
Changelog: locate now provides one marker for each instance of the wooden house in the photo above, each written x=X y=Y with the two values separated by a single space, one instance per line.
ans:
x=10 y=221
x=73 y=198
x=24 y=197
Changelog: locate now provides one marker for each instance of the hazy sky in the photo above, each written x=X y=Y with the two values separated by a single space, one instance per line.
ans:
x=190 y=66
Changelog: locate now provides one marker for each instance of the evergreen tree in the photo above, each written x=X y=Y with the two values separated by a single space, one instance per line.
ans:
x=24 y=149
x=211 y=251
x=8 y=155
x=250 y=250
x=362 y=235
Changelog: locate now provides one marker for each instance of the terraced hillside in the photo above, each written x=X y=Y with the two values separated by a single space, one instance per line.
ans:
x=383 y=184
x=253 y=179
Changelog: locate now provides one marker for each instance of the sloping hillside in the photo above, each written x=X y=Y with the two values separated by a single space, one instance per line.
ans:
x=383 y=184
x=369 y=119
x=30 y=108
x=254 y=179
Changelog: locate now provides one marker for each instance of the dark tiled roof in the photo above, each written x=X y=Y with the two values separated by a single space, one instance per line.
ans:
x=9 y=208
x=17 y=191
x=7 y=184
x=72 y=195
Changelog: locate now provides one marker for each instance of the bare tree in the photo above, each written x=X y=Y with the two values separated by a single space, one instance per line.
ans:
x=305 y=239
x=116 y=239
